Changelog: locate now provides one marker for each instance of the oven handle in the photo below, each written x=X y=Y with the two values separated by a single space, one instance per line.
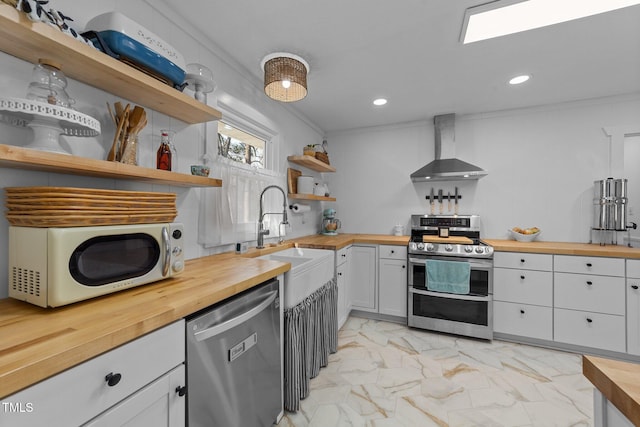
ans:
x=450 y=296
x=475 y=264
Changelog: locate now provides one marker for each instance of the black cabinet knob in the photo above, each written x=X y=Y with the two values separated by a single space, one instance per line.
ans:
x=634 y=287
x=521 y=311
x=339 y=274
x=589 y=265
x=589 y=282
x=522 y=261
x=589 y=320
x=112 y=379
x=404 y=266
x=521 y=277
x=393 y=252
x=181 y=390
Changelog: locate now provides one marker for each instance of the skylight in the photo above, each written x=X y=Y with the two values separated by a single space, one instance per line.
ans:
x=503 y=17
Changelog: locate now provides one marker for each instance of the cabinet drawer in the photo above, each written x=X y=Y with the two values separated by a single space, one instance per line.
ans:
x=342 y=255
x=589 y=265
x=633 y=268
x=77 y=395
x=523 y=261
x=596 y=330
x=602 y=294
x=523 y=286
x=524 y=320
x=392 y=252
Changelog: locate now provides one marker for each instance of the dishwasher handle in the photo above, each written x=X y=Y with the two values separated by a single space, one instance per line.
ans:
x=228 y=324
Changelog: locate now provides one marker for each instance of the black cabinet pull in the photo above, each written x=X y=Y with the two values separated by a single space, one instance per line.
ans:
x=393 y=252
x=521 y=277
x=112 y=379
x=589 y=282
x=344 y=255
x=589 y=265
x=339 y=274
x=634 y=287
x=404 y=266
x=522 y=261
x=181 y=390
x=521 y=311
x=589 y=320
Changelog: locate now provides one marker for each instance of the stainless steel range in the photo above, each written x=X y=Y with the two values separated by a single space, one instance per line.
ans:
x=450 y=280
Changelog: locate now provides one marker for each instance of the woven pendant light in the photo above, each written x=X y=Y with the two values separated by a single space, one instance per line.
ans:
x=285 y=77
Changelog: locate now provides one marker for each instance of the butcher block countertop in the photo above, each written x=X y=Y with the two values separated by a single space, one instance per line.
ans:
x=37 y=343
x=565 y=248
x=618 y=381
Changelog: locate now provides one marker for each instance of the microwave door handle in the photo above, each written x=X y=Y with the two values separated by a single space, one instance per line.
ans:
x=450 y=296
x=167 y=251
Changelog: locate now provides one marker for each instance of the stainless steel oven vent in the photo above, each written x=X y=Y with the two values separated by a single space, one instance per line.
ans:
x=448 y=169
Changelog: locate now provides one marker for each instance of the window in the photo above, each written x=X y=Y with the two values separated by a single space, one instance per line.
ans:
x=240 y=146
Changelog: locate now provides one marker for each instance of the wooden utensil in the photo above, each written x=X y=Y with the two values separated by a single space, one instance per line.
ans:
x=116 y=139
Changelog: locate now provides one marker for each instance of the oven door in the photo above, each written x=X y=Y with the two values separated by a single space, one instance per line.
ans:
x=480 y=280
x=469 y=314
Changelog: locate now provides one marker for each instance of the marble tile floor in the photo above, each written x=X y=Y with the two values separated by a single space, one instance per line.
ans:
x=387 y=375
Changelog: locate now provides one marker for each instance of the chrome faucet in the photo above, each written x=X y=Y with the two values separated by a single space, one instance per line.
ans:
x=261 y=231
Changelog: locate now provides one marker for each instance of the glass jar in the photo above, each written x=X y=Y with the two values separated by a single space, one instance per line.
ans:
x=130 y=150
x=48 y=84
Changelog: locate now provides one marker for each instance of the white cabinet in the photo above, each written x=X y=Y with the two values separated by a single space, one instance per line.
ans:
x=363 y=278
x=523 y=295
x=107 y=382
x=633 y=306
x=589 y=302
x=392 y=280
x=155 y=405
x=343 y=263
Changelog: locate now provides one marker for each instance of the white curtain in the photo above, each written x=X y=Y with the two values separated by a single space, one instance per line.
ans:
x=229 y=214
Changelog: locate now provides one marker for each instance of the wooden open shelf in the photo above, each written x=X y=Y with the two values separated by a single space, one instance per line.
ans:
x=311 y=197
x=31 y=41
x=25 y=158
x=311 y=163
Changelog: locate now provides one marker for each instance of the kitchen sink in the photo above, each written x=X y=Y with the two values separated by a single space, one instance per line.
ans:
x=310 y=270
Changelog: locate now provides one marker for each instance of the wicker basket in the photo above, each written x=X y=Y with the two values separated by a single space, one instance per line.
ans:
x=323 y=157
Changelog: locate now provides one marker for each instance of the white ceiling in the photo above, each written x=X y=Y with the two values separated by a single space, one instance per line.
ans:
x=409 y=52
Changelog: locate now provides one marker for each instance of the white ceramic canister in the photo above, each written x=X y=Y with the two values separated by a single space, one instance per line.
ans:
x=305 y=184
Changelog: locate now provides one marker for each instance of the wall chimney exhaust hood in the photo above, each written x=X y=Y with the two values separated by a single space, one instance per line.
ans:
x=448 y=169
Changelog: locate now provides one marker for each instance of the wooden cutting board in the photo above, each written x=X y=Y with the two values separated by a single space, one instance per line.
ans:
x=292 y=180
x=452 y=239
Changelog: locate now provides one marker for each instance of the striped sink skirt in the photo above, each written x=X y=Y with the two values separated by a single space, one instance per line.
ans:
x=310 y=334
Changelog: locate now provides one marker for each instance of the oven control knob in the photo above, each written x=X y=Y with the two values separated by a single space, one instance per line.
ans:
x=430 y=247
x=420 y=246
x=479 y=249
x=468 y=249
x=448 y=247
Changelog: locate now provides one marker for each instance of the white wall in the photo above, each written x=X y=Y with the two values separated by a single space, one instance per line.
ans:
x=541 y=162
x=235 y=84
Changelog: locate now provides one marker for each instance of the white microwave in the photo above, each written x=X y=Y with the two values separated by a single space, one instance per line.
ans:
x=51 y=267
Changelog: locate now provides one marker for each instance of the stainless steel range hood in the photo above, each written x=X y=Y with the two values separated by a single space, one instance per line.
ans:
x=448 y=169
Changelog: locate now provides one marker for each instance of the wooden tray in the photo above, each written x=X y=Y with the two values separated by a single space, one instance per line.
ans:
x=85 y=193
x=91 y=212
x=452 y=239
x=67 y=203
x=85 y=220
x=292 y=180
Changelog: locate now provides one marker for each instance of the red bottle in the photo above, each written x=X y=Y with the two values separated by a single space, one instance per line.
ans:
x=163 y=159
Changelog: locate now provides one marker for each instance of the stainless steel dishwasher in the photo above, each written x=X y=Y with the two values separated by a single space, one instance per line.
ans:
x=234 y=373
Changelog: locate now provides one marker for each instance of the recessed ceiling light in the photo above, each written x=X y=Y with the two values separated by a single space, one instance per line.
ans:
x=380 y=101
x=502 y=17
x=519 y=79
